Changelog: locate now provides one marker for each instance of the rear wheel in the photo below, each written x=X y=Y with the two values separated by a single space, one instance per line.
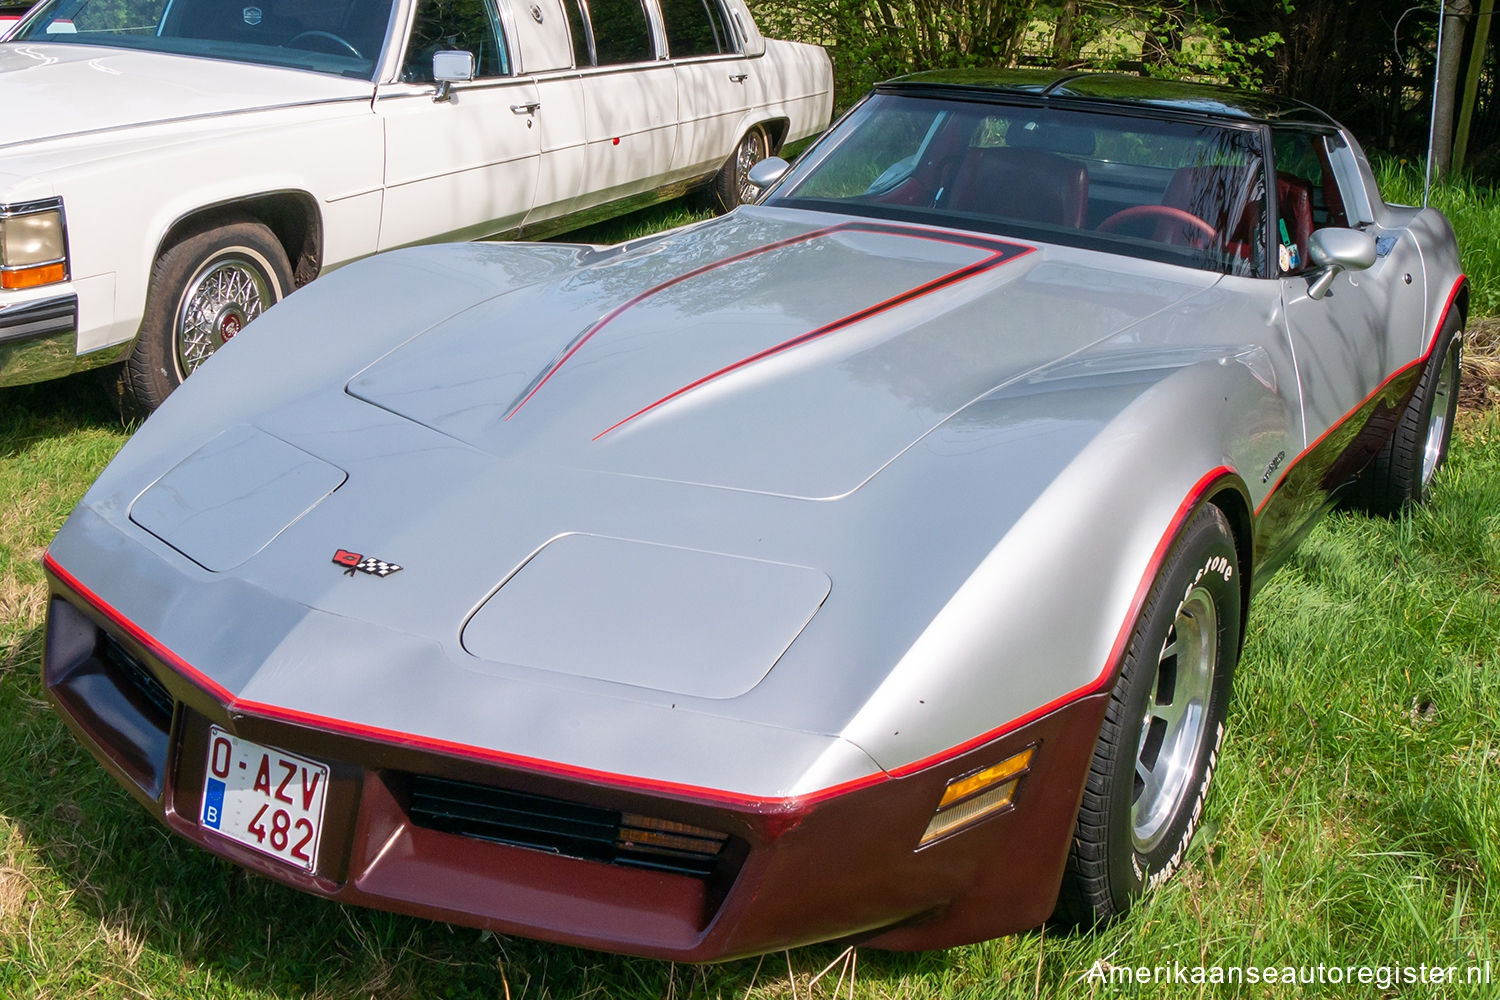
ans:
x=1159 y=743
x=204 y=290
x=1402 y=473
x=732 y=187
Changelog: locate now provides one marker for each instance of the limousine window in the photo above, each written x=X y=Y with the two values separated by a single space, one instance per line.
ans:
x=697 y=28
x=621 y=32
x=455 y=24
x=578 y=28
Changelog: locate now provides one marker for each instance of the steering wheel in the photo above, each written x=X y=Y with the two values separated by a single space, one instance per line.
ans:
x=342 y=43
x=1165 y=213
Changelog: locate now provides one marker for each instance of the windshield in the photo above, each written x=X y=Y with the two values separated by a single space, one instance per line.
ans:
x=343 y=37
x=1181 y=191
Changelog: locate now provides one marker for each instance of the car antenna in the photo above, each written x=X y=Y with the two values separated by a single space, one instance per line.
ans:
x=1437 y=68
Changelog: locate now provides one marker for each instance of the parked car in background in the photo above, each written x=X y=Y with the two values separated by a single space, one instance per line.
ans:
x=10 y=13
x=871 y=561
x=168 y=170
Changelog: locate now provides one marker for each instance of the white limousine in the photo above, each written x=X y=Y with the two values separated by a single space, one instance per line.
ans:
x=171 y=168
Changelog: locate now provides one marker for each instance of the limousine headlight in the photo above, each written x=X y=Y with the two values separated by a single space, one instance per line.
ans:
x=33 y=245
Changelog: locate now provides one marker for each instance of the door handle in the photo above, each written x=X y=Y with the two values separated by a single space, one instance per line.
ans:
x=525 y=109
x=738 y=77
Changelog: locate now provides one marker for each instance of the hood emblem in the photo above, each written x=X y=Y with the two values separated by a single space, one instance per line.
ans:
x=352 y=561
x=252 y=15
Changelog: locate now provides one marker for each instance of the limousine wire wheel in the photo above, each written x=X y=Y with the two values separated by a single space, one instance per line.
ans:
x=732 y=187
x=204 y=290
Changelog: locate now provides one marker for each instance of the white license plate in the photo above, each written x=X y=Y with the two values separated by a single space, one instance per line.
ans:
x=264 y=798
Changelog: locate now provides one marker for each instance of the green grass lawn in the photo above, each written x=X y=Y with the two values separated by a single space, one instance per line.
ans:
x=1354 y=820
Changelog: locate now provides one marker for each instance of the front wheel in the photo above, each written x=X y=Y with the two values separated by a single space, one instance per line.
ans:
x=732 y=187
x=1159 y=743
x=204 y=290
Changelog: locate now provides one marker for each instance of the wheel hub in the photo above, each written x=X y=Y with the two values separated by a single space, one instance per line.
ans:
x=219 y=301
x=231 y=320
x=1175 y=721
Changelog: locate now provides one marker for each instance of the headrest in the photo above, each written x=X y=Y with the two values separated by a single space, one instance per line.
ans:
x=1051 y=137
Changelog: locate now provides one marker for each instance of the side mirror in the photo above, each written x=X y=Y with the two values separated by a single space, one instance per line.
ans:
x=768 y=172
x=449 y=67
x=1334 y=251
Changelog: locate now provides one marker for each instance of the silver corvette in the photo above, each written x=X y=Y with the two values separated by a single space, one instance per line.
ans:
x=871 y=562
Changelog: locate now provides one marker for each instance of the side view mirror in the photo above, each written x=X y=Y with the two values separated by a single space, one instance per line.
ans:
x=449 y=67
x=768 y=172
x=1334 y=251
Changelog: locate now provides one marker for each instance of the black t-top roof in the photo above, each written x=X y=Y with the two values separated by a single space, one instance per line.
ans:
x=1141 y=93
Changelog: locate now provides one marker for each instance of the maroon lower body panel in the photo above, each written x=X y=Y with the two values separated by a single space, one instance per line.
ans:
x=472 y=842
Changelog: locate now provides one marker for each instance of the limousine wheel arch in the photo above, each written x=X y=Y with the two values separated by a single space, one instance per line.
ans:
x=217 y=276
x=732 y=187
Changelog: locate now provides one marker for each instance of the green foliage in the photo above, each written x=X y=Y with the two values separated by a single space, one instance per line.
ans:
x=872 y=40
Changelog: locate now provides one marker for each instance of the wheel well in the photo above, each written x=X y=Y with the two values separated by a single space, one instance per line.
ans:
x=776 y=130
x=292 y=216
x=1236 y=509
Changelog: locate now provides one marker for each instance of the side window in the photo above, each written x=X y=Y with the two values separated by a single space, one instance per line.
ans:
x=124 y=17
x=621 y=32
x=696 y=28
x=578 y=30
x=1308 y=197
x=454 y=24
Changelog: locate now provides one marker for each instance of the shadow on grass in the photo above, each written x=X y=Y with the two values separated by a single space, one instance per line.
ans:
x=29 y=413
x=125 y=900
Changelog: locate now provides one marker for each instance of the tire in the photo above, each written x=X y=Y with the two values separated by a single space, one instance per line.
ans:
x=1159 y=742
x=204 y=289
x=731 y=187
x=1402 y=473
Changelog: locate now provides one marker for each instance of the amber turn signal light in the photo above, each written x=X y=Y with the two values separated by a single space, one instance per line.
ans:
x=34 y=277
x=972 y=797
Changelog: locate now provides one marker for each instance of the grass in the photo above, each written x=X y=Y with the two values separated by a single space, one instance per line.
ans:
x=1355 y=817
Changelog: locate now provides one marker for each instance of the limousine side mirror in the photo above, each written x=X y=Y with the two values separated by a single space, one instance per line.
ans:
x=768 y=172
x=1334 y=251
x=449 y=67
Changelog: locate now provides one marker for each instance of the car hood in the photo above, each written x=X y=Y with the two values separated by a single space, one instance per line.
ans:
x=431 y=524
x=755 y=355
x=53 y=91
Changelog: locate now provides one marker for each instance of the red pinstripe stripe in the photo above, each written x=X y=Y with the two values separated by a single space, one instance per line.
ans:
x=235 y=704
x=999 y=247
x=952 y=277
x=1426 y=355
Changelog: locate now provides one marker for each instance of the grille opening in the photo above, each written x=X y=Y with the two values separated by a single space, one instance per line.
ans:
x=570 y=829
x=134 y=673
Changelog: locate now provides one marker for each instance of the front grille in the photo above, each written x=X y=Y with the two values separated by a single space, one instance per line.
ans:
x=566 y=828
x=134 y=673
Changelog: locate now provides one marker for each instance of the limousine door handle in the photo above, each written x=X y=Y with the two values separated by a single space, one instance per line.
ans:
x=525 y=109
x=738 y=77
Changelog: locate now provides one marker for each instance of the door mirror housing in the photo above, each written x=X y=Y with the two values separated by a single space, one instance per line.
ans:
x=1334 y=251
x=768 y=172
x=451 y=66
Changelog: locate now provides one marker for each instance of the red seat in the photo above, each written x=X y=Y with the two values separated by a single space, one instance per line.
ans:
x=1294 y=207
x=1220 y=196
x=1027 y=184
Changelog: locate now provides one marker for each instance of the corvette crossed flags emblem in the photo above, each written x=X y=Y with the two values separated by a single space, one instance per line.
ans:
x=352 y=561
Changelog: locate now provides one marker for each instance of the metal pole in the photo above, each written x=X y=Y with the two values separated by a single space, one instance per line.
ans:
x=1437 y=65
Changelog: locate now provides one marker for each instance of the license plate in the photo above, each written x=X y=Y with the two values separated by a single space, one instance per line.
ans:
x=264 y=798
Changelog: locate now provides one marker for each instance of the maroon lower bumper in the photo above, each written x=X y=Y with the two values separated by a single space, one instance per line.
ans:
x=783 y=873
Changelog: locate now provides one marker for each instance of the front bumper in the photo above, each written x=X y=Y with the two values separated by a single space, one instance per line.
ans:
x=790 y=872
x=39 y=341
